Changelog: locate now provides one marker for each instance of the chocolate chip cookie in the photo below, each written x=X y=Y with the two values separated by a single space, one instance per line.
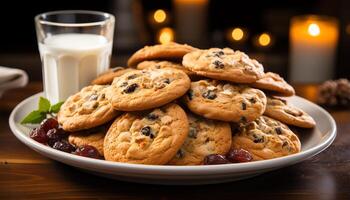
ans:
x=170 y=51
x=225 y=101
x=224 y=64
x=150 y=137
x=107 y=77
x=146 y=89
x=205 y=137
x=164 y=64
x=278 y=108
x=274 y=83
x=93 y=137
x=265 y=138
x=86 y=109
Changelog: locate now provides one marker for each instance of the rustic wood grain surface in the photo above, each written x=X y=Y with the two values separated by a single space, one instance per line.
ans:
x=24 y=174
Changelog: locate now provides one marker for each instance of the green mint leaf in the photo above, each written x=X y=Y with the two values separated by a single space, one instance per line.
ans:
x=56 y=107
x=44 y=105
x=35 y=117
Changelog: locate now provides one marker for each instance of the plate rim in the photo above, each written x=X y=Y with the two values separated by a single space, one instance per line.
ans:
x=174 y=170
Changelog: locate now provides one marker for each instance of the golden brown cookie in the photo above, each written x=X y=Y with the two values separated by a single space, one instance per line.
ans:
x=265 y=138
x=278 y=108
x=163 y=64
x=151 y=137
x=107 y=77
x=274 y=83
x=93 y=138
x=170 y=51
x=225 y=101
x=86 y=109
x=205 y=137
x=146 y=89
x=224 y=64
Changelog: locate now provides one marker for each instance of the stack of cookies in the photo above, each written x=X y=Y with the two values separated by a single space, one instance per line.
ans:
x=177 y=104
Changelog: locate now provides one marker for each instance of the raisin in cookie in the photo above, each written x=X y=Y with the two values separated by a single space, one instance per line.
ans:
x=278 y=108
x=164 y=64
x=93 y=137
x=150 y=137
x=141 y=90
x=169 y=51
x=265 y=138
x=86 y=109
x=225 y=101
x=205 y=137
x=107 y=77
x=224 y=64
x=274 y=83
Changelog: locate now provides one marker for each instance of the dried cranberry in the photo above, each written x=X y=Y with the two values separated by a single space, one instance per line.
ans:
x=238 y=156
x=215 y=159
x=87 y=151
x=54 y=135
x=48 y=124
x=39 y=135
x=131 y=88
x=63 y=145
x=210 y=94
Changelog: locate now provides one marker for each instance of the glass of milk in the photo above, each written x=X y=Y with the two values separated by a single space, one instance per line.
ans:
x=75 y=47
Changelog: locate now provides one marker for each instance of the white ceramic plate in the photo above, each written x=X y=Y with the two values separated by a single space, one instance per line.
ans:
x=313 y=142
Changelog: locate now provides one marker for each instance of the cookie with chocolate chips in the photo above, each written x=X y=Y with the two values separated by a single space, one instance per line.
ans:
x=278 y=108
x=225 y=101
x=164 y=64
x=265 y=138
x=107 y=77
x=224 y=64
x=146 y=89
x=86 y=109
x=150 y=137
x=275 y=84
x=205 y=137
x=170 y=51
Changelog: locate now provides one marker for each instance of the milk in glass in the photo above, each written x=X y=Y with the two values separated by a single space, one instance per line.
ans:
x=72 y=61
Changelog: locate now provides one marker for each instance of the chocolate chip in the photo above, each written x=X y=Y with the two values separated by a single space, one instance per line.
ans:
x=218 y=53
x=131 y=88
x=93 y=97
x=218 y=64
x=146 y=131
x=244 y=106
x=152 y=116
x=243 y=119
x=190 y=94
x=180 y=153
x=95 y=105
x=278 y=130
x=192 y=132
x=124 y=84
x=132 y=76
x=103 y=96
x=167 y=81
x=207 y=140
x=252 y=100
x=258 y=138
x=210 y=94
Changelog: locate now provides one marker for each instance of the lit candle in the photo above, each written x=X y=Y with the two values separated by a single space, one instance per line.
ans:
x=191 y=21
x=313 y=43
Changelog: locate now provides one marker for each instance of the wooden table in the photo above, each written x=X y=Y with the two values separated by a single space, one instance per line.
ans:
x=26 y=174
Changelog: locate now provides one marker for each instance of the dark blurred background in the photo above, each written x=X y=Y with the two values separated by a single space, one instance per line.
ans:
x=135 y=27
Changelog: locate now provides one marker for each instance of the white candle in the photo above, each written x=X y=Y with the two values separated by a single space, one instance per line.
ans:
x=313 y=43
x=191 y=20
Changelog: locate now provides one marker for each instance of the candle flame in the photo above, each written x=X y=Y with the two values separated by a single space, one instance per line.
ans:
x=313 y=30
x=166 y=35
x=237 y=34
x=264 y=39
x=159 y=16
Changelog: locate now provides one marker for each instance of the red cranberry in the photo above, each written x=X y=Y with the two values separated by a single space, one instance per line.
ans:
x=54 y=135
x=87 y=151
x=63 y=145
x=238 y=156
x=215 y=159
x=39 y=135
x=48 y=124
